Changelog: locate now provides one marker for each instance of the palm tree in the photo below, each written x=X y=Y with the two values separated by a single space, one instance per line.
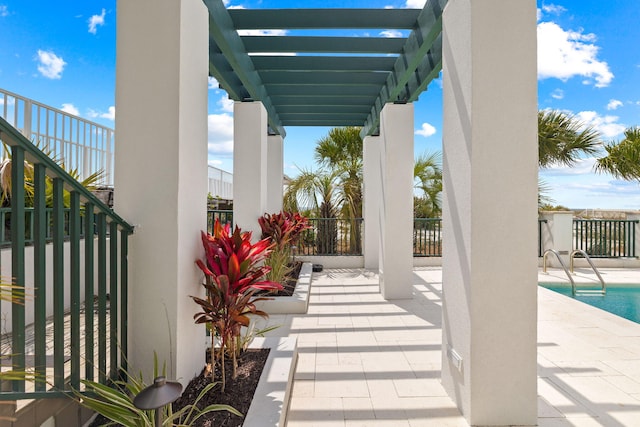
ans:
x=318 y=191
x=341 y=152
x=623 y=158
x=427 y=171
x=563 y=138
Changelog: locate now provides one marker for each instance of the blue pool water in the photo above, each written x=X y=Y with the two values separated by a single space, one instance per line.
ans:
x=623 y=301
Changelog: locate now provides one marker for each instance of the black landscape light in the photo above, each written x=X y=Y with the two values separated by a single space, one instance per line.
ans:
x=156 y=396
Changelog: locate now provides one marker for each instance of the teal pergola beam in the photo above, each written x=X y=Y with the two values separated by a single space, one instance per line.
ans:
x=420 y=61
x=261 y=19
x=309 y=44
x=324 y=63
x=225 y=37
x=325 y=90
x=318 y=78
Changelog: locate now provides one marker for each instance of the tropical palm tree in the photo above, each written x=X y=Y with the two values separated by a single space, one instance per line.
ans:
x=427 y=172
x=318 y=191
x=563 y=138
x=623 y=158
x=341 y=152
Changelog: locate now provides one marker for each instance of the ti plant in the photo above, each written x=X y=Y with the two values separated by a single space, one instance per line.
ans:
x=284 y=229
x=232 y=276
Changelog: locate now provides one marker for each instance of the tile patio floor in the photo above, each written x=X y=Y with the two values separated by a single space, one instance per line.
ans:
x=364 y=361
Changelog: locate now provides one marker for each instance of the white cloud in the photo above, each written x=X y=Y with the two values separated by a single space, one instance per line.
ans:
x=566 y=54
x=50 y=64
x=391 y=34
x=262 y=32
x=415 y=4
x=96 y=20
x=614 y=104
x=606 y=125
x=215 y=162
x=426 y=131
x=4 y=11
x=581 y=167
x=226 y=104
x=70 y=109
x=220 y=140
x=553 y=8
x=109 y=115
x=557 y=94
x=213 y=83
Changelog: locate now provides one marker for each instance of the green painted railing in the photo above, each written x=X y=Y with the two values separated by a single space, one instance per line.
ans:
x=604 y=238
x=62 y=360
x=224 y=216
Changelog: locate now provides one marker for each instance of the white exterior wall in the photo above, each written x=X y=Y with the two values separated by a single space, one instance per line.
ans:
x=558 y=234
x=396 y=205
x=275 y=173
x=372 y=192
x=249 y=165
x=161 y=116
x=490 y=174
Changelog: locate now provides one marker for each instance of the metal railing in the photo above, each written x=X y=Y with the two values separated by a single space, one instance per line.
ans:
x=541 y=223
x=427 y=237
x=80 y=144
x=332 y=236
x=601 y=238
x=29 y=219
x=224 y=216
x=104 y=285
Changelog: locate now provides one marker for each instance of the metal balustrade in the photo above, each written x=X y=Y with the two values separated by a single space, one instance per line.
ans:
x=605 y=238
x=82 y=145
x=60 y=359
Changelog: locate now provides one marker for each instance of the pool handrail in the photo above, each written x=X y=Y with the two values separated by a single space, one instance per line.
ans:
x=588 y=258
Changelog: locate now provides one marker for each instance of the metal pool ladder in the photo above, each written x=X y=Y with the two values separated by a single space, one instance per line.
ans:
x=574 y=290
x=603 y=290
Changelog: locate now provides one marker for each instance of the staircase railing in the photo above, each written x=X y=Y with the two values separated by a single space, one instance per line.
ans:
x=59 y=360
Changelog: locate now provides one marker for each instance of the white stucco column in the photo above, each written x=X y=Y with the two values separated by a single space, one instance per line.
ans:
x=161 y=176
x=560 y=236
x=249 y=165
x=490 y=169
x=396 y=205
x=372 y=192
x=275 y=173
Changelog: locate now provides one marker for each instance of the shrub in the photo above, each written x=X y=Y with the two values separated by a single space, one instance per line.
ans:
x=232 y=276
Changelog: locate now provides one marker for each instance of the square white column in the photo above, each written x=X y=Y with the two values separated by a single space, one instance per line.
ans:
x=372 y=192
x=396 y=204
x=490 y=171
x=249 y=165
x=161 y=176
x=275 y=173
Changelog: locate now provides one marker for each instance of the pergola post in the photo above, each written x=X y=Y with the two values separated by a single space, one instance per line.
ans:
x=396 y=204
x=275 y=173
x=372 y=189
x=161 y=177
x=489 y=210
x=249 y=165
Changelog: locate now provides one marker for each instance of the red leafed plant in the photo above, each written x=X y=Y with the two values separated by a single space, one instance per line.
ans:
x=232 y=276
x=284 y=230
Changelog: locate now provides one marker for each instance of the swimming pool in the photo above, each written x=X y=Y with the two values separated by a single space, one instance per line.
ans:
x=623 y=301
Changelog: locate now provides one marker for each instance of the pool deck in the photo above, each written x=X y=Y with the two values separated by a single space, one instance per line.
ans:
x=364 y=361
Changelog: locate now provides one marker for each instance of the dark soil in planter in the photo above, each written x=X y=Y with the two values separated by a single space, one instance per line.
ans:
x=238 y=391
x=292 y=279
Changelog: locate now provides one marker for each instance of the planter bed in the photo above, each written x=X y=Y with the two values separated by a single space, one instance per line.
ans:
x=296 y=303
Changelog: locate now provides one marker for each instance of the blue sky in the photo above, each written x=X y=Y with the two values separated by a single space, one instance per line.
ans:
x=62 y=53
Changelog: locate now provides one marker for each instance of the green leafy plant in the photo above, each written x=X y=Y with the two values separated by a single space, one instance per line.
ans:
x=116 y=403
x=284 y=229
x=233 y=275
